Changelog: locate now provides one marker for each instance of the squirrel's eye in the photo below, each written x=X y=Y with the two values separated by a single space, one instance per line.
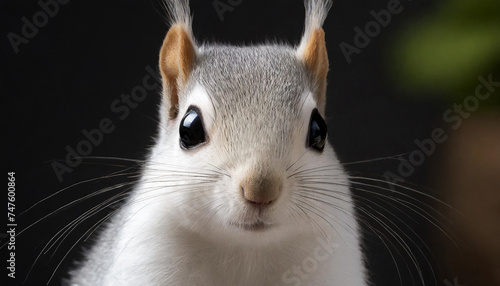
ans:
x=191 y=130
x=317 y=131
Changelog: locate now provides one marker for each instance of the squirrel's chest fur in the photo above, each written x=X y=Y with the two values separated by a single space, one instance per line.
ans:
x=134 y=250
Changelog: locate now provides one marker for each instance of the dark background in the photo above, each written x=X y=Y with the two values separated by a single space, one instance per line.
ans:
x=64 y=81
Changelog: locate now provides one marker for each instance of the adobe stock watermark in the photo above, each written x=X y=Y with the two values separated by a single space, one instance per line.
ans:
x=372 y=29
x=223 y=6
x=30 y=28
x=300 y=273
x=453 y=116
x=92 y=138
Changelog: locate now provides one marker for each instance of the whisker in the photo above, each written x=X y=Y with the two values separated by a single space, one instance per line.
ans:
x=66 y=231
x=398 y=239
x=88 y=214
x=346 y=226
x=392 y=157
x=73 y=246
x=112 y=175
x=318 y=212
x=104 y=190
x=416 y=209
x=406 y=188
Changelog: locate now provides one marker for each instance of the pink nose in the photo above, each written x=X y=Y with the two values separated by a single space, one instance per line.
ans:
x=261 y=191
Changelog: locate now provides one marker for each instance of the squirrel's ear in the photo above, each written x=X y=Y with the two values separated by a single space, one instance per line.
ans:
x=177 y=58
x=312 y=48
x=312 y=52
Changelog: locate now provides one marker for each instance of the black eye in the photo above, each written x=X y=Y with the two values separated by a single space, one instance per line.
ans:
x=191 y=130
x=317 y=131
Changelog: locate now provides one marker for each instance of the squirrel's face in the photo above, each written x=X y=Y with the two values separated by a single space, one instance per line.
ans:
x=242 y=147
x=247 y=141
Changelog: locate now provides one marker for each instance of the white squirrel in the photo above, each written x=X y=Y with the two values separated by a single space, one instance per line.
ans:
x=241 y=186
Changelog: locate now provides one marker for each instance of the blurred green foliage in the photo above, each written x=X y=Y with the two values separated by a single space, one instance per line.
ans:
x=447 y=50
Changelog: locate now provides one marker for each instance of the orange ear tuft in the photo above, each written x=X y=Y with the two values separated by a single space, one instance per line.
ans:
x=315 y=57
x=177 y=58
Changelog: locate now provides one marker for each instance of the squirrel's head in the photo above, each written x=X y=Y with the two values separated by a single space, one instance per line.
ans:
x=244 y=128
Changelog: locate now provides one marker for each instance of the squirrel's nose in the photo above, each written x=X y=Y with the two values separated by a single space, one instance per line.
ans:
x=261 y=190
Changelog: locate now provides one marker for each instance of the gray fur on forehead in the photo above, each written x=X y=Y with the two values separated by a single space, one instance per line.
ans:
x=257 y=92
x=252 y=76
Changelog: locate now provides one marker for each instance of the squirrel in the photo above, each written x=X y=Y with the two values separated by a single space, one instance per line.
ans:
x=241 y=186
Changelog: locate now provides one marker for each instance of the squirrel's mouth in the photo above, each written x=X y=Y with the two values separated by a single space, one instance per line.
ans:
x=256 y=226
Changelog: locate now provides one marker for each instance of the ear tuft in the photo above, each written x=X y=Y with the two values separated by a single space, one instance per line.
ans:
x=312 y=49
x=177 y=57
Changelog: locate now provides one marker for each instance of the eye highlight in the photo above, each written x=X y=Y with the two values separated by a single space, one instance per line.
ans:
x=318 y=130
x=191 y=131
